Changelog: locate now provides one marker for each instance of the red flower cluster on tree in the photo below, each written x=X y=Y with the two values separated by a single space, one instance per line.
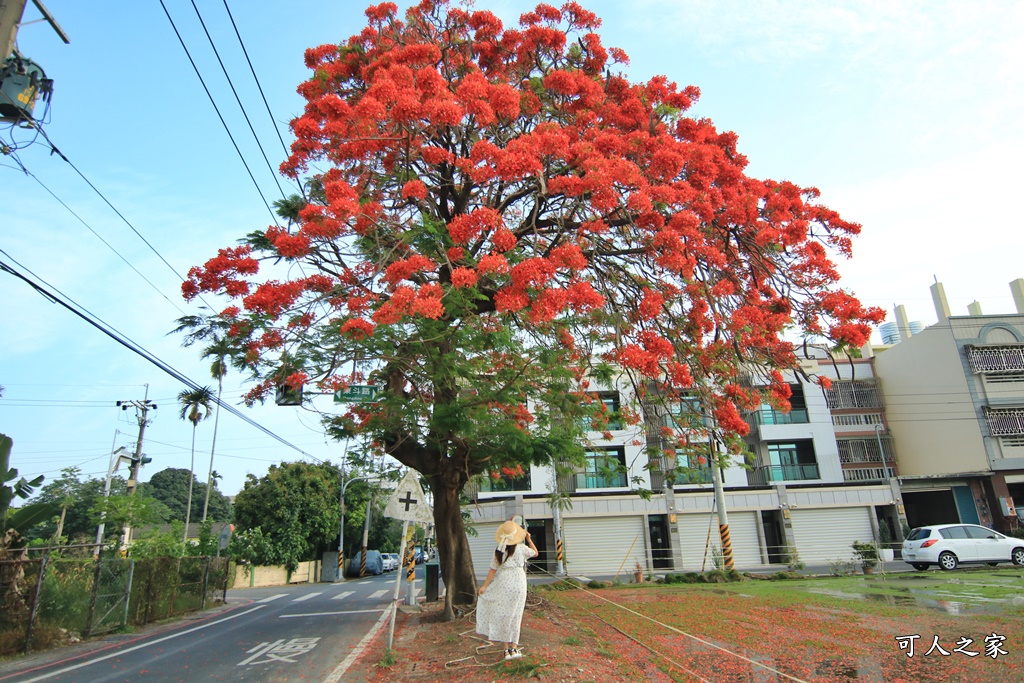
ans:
x=496 y=195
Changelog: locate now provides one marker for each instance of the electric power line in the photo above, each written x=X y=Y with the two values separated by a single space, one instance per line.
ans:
x=121 y=339
x=238 y=99
x=120 y=215
x=273 y=121
x=100 y=238
x=217 y=109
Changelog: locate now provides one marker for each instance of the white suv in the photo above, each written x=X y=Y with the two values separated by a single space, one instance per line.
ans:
x=949 y=545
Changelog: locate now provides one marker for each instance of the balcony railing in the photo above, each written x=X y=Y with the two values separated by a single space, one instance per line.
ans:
x=857 y=420
x=1005 y=421
x=867 y=473
x=770 y=416
x=865 y=450
x=861 y=393
x=766 y=474
x=996 y=359
x=694 y=475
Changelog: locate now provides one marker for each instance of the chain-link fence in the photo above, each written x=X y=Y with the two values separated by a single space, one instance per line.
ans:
x=49 y=600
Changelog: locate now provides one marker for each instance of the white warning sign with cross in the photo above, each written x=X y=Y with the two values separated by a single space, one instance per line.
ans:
x=408 y=502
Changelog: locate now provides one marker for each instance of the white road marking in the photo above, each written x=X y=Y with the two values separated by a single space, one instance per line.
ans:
x=340 y=670
x=342 y=596
x=327 y=614
x=379 y=594
x=118 y=653
x=271 y=598
x=308 y=596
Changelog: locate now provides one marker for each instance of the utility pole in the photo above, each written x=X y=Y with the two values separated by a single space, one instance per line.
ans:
x=11 y=12
x=142 y=409
x=366 y=534
x=723 y=516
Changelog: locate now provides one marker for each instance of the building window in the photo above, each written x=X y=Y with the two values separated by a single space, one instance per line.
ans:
x=605 y=468
x=687 y=414
x=610 y=412
x=792 y=461
x=507 y=479
x=797 y=414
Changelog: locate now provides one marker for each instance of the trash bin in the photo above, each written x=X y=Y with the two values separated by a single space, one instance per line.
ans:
x=433 y=580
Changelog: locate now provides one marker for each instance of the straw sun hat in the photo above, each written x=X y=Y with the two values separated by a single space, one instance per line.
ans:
x=509 y=533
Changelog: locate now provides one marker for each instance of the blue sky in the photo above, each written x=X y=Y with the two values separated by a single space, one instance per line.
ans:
x=905 y=115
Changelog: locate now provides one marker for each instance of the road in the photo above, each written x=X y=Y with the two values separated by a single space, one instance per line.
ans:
x=307 y=632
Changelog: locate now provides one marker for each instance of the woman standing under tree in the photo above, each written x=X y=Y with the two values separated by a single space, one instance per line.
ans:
x=499 y=609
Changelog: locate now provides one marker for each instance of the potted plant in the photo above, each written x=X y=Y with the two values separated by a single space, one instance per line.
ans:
x=867 y=553
x=638 y=573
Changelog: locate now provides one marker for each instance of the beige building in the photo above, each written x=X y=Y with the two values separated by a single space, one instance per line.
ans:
x=954 y=395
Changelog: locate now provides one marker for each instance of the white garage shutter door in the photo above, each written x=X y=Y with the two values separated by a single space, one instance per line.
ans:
x=825 y=534
x=601 y=545
x=482 y=547
x=693 y=534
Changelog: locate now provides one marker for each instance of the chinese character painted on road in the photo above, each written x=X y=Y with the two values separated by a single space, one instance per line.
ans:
x=993 y=645
x=907 y=643
x=279 y=651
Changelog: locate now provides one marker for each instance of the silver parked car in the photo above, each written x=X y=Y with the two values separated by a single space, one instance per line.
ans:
x=949 y=545
x=391 y=561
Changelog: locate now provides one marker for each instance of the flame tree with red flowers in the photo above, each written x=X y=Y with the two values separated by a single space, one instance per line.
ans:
x=502 y=215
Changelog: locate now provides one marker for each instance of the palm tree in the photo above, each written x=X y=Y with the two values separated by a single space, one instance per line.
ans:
x=195 y=406
x=219 y=351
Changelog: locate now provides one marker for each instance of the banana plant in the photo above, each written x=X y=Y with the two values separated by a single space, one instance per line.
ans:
x=14 y=524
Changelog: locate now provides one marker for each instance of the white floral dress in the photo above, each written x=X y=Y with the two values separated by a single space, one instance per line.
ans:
x=499 y=611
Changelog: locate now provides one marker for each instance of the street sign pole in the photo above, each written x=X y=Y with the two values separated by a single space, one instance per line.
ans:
x=398 y=583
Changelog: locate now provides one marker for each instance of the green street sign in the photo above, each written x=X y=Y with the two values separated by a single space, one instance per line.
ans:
x=356 y=393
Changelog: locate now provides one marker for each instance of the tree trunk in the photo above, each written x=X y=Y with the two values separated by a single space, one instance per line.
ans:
x=452 y=545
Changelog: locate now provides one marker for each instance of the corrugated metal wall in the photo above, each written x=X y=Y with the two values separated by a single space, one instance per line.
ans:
x=693 y=535
x=601 y=545
x=825 y=534
x=482 y=547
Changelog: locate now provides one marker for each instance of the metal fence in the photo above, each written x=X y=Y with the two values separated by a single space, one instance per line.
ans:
x=50 y=599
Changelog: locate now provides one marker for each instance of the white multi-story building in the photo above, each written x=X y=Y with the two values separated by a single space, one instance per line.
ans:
x=793 y=495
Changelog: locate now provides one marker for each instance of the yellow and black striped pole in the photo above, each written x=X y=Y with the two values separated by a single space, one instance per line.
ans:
x=341 y=564
x=410 y=568
x=723 y=532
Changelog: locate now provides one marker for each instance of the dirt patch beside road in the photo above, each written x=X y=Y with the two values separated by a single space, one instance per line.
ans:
x=556 y=647
x=754 y=630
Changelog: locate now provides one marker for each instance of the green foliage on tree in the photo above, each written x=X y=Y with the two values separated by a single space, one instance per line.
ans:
x=170 y=487
x=135 y=511
x=80 y=496
x=157 y=543
x=385 y=533
x=295 y=505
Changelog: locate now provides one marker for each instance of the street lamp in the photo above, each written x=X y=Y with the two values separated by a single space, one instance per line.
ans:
x=116 y=457
x=341 y=530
